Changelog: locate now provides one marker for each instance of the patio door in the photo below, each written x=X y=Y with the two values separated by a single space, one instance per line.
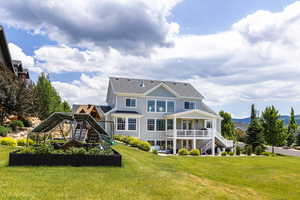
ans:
x=187 y=124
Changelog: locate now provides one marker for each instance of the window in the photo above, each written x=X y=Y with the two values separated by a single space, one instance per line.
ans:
x=151 y=106
x=208 y=124
x=131 y=103
x=169 y=124
x=160 y=124
x=170 y=106
x=150 y=124
x=189 y=105
x=160 y=106
x=121 y=123
x=131 y=124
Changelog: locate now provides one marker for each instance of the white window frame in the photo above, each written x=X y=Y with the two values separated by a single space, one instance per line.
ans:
x=131 y=99
x=131 y=123
x=155 y=129
x=126 y=123
x=155 y=105
x=189 y=102
x=118 y=124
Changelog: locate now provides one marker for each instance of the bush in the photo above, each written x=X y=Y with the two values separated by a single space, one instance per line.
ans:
x=183 y=152
x=23 y=142
x=145 y=146
x=8 y=141
x=134 y=142
x=75 y=150
x=15 y=124
x=231 y=153
x=258 y=150
x=248 y=150
x=227 y=149
x=195 y=152
x=4 y=131
x=155 y=151
x=224 y=153
x=238 y=150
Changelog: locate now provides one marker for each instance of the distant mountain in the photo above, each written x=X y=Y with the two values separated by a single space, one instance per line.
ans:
x=285 y=118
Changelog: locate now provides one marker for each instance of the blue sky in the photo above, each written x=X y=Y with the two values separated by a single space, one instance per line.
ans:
x=234 y=52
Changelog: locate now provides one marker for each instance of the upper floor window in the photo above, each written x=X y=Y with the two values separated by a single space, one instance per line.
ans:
x=151 y=106
x=160 y=106
x=130 y=103
x=189 y=105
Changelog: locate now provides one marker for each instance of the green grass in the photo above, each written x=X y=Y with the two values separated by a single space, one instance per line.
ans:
x=148 y=176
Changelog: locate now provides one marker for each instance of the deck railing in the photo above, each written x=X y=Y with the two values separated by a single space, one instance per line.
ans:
x=189 y=133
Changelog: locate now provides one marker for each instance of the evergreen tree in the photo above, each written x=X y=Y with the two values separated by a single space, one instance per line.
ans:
x=273 y=127
x=292 y=128
x=254 y=132
x=227 y=126
x=298 y=138
x=66 y=107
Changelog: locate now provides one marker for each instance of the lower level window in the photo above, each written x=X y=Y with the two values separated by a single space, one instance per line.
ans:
x=131 y=124
x=160 y=125
x=170 y=124
x=208 y=124
x=150 y=124
x=121 y=123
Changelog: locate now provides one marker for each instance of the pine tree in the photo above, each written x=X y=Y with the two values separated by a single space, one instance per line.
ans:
x=292 y=128
x=227 y=126
x=297 y=138
x=273 y=127
x=254 y=132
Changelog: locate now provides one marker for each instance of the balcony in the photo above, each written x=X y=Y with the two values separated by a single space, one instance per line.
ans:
x=180 y=133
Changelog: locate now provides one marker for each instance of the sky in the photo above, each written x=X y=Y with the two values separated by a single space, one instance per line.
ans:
x=234 y=52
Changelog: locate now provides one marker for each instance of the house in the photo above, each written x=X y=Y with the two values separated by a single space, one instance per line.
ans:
x=169 y=115
x=15 y=66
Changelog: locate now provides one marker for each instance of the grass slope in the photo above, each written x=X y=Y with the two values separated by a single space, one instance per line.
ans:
x=147 y=176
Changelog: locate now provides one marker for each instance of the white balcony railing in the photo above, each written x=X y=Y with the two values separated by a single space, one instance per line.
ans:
x=189 y=133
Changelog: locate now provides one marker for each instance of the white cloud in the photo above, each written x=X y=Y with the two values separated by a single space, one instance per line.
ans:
x=257 y=59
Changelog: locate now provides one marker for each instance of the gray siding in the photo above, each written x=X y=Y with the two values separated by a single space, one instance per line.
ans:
x=111 y=97
x=161 y=92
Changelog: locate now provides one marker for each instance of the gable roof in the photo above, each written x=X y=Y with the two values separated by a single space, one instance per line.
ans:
x=142 y=86
x=4 y=50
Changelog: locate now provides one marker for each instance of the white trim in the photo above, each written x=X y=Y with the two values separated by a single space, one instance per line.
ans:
x=191 y=111
x=131 y=106
x=155 y=105
x=155 y=130
x=126 y=124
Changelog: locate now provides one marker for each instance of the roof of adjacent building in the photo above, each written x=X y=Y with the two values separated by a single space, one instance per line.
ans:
x=141 y=86
x=5 y=50
x=105 y=109
x=126 y=112
x=102 y=108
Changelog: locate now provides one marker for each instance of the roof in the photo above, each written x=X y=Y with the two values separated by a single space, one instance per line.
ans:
x=141 y=86
x=5 y=50
x=126 y=112
x=186 y=112
x=105 y=109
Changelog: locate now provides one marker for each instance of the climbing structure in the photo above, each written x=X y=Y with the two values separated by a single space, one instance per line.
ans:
x=84 y=128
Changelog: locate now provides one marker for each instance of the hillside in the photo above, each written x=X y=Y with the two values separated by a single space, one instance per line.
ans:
x=285 y=118
x=145 y=176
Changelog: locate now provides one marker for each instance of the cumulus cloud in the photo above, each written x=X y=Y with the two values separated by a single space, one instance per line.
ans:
x=133 y=26
x=257 y=59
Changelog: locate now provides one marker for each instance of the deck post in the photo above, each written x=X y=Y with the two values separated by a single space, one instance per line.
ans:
x=194 y=142
x=213 y=144
x=174 y=136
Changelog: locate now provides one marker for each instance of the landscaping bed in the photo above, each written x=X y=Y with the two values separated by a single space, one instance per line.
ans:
x=27 y=159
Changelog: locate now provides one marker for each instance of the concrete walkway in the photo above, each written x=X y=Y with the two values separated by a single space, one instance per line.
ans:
x=288 y=152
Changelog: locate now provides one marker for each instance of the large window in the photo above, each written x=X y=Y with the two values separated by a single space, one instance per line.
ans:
x=131 y=124
x=150 y=124
x=121 y=123
x=160 y=125
x=160 y=106
x=151 y=106
x=131 y=103
x=189 y=105
x=170 y=106
x=169 y=124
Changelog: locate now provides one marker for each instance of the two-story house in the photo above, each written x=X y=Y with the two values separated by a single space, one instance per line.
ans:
x=164 y=113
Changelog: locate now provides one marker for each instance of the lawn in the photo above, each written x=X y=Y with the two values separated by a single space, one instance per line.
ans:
x=147 y=176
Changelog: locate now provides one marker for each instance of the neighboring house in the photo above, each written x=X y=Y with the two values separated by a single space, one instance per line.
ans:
x=14 y=66
x=169 y=115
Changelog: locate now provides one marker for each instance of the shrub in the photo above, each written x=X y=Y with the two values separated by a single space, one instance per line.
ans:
x=98 y=151
x=195 y=152
x=224 y=153
x=23 y=142
x=8 y=141
x=27 y=150
x=44 y=149
x=4 y=131
x=155 y=151
x=145 y=146
x=75 y=150
x=227 y=149
x=231 y=153
x=15 y=124
x=183 y=152
x=248 y=150
x=134 y=142
x=238 y=150
x=258 y=150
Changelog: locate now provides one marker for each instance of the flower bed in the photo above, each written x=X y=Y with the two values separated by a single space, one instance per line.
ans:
x=29 y=159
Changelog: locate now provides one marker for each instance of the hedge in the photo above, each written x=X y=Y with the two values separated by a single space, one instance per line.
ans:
x=23 y=142
x=135 y=142
x=8 y=141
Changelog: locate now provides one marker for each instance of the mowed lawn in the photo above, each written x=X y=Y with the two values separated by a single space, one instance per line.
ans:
x=147 y=176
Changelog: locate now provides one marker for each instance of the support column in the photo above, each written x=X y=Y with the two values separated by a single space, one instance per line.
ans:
x=213 y=145
x=166 y=144
x=174 y=136
x=194 y=143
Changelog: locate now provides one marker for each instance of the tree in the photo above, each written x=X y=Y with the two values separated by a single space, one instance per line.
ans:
x=66 y=107
x=298 y=137
x=227 y=126
x=273 y=127
x=254 y=132
x=292 y=128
